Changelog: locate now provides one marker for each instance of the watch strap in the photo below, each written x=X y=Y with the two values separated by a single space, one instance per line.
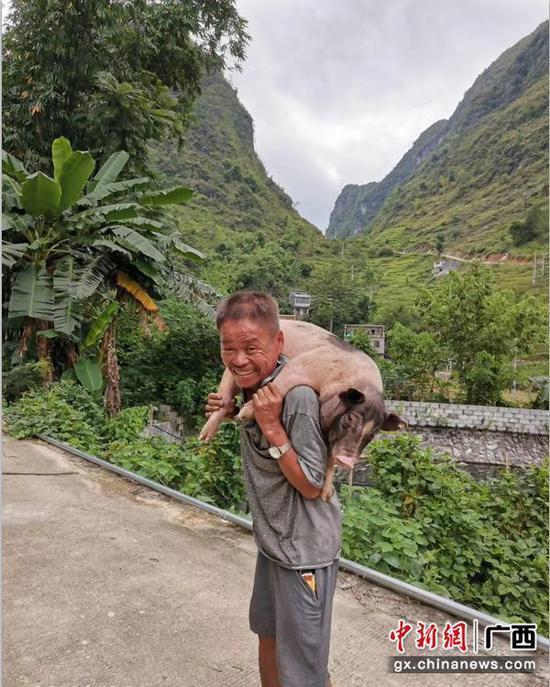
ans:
x=279 y=451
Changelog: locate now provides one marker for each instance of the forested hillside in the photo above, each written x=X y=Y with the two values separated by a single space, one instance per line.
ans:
x=466 y=180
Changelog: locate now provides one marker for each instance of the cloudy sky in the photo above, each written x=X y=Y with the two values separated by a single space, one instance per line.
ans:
x=340 y=90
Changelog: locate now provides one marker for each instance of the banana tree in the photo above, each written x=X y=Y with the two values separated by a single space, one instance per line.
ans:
x=73 y=238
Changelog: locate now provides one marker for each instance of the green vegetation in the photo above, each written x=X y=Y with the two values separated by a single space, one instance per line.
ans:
x=239 y=217
x=64 y=411
x=463 y=320
x=429 y=523
x=534 y=227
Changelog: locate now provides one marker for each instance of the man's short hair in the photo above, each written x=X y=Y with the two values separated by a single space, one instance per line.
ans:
x=249 y=305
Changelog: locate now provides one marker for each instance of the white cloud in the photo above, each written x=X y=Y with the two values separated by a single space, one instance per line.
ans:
x=339 y=91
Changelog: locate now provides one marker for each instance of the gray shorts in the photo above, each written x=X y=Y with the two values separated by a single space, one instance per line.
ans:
x=283 y=606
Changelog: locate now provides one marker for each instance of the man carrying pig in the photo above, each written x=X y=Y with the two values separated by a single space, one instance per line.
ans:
x=297 y=533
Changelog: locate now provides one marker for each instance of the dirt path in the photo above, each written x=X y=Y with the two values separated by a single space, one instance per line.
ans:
x=493 y=259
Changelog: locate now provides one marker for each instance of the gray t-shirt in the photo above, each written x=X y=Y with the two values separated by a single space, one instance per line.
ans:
x=289 y=529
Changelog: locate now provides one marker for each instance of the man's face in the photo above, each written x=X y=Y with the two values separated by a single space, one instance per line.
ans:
x=249 y=350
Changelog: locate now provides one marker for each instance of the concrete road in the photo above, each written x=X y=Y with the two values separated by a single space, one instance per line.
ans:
x=109 y=584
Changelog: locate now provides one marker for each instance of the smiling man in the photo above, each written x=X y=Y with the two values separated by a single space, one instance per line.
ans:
x=297 y=533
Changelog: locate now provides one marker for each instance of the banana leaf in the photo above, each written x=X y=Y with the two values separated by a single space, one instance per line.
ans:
x=61 y=150
x=32 y=295
x=74 y=174
x=105 y=243
x=144 y=223
x=104 y=190
x=13 y=167
x=110 y=170
x=179 y=194
x=89 y=277
x=148 y=270
x=11 y=252
x=136 y=240
x=48 y=333
x=40 y=195
x=115 y=211
x=88 y=373
x=187 y=251
x=67 y=309
x=11 y=193
x=99 y=326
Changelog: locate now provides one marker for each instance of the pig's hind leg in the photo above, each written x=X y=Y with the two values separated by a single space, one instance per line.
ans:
x=227 y=389
x=328 y=488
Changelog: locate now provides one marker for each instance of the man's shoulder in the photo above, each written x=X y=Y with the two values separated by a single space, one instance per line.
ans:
x=302 y=399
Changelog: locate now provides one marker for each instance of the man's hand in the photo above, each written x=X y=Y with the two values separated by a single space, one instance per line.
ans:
x=268 y=406
x=216 y=402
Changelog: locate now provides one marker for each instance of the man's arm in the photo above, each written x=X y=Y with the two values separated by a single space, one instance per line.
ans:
x=268 y=405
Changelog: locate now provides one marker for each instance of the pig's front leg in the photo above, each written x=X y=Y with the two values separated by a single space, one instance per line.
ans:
x=227 y=390
x=326 y=491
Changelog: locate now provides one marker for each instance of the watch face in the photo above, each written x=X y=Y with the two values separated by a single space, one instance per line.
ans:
x=273 y=451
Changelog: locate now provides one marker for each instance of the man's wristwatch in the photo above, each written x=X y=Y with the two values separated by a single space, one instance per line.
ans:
x=278 y=451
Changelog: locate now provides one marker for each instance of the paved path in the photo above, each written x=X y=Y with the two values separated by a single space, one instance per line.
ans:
x=109 y=584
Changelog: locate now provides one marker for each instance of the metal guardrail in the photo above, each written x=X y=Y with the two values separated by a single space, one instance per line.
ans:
x=435 y=600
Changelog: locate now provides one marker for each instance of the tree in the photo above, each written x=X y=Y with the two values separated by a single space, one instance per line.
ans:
x=534 y=227
x=480 y=327
x=171 y=366
x=339 y=299
x=109 y=74
x=392 y=376
x=73 y=244
x=266 y=268
x=417 y=356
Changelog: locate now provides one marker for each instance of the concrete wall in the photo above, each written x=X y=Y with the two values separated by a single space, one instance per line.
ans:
x=496 y=419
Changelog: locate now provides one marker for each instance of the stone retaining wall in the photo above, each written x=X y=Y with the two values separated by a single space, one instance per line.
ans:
x=491 y=418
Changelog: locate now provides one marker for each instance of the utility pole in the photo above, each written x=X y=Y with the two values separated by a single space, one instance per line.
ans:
x=515 y=372
x=534 y=278
x=342 y=254
x=331 y=301
x=352 y=274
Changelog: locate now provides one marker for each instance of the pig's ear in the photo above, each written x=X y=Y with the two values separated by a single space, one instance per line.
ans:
x=352 y=397
x=393 y=422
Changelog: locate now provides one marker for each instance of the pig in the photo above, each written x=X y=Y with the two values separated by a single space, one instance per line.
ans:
x=349 y=386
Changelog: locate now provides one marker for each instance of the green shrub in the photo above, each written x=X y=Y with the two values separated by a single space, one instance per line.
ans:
x=151 y=457
x=210 y=472
x=22 y=378
x=65 y=411
x=129 y=424
x=425 y=521
x=542 y=399
x=374 y=534
x=213 y=471
x=486 y=543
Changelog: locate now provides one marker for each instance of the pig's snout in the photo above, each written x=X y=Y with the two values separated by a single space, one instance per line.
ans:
x=344 y=461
